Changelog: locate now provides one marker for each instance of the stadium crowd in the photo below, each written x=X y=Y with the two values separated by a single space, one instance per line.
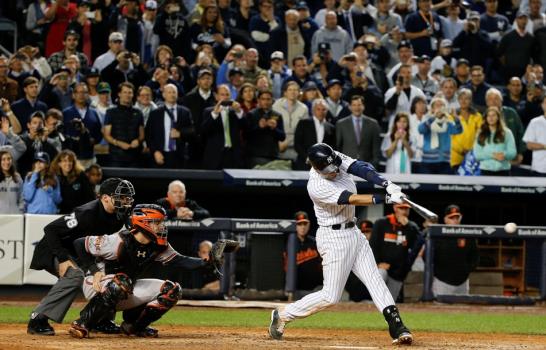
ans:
x=411 y=86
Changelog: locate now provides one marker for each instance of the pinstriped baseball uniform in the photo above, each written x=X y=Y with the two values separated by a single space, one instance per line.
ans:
x=342 y=250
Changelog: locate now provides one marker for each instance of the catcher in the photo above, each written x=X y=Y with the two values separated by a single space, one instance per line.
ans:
x=115 y=262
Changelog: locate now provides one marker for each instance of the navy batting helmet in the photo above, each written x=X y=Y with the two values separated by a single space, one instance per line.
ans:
x=323 y=158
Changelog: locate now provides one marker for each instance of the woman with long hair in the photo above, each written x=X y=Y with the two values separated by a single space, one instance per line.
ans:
x=75 y=187
x=398 y=146
x=495 y=146
x=418 y=112
x=247 y=97
x=41 y=190
x=212 y=31
x=11 y=186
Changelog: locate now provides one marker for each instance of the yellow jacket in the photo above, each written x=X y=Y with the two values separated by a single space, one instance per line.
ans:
x=464 y=142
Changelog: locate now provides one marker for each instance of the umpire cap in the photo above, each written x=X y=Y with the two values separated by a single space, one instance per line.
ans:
x=323 y=158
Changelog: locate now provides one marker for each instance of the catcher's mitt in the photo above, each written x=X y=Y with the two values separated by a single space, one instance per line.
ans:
x=216 y=255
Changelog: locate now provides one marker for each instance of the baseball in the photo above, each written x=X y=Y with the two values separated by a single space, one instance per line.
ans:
x=510 y=227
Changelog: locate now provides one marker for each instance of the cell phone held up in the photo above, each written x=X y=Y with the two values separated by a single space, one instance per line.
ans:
x=226 y=103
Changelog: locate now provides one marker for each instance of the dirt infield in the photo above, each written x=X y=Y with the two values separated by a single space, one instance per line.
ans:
x=14 y=337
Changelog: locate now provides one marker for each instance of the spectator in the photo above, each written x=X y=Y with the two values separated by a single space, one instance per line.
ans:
x=356 y=22
x=405 y=57
x=57 y=93
x=423 y=28
x=124 y=129
x=308 y=24
x=35 y=140
x=242 y=14
x=205 y=60
x=29 y=104
x=516 y=48
x=540 y=47
x=251 y=69
x=339 y=40
x=337 y=108
x=308 y=261
x=471 y=121
x=210 y=30
x=260 y=27
x=144 y=102
x=197 y=100
x=94 y=176
x=9 y=140
x=448 y=90
x=452 y=24
x=511 y=119
x=462 y=72
x=537 y=17
x=386 y=20
x=399 y=97
x=92 y=79
x=514 y=96
x=320 y=16
x=54 y=129
x=236 y=80
x=278 y=72
x=300 y=72
x=444 y=63
x=535 y=137
x=59 y=14
x=494 y=24
x=450 y=278
x=437 y=130
x=473 y=43
x=87 y=29
x=422 y=79
x=369 y=56
x=398 y=146
x=179 y=207
x=392 y=237
x=221 y=129
x=75 y=187
x=310 y=131
x=115 y=44
x=11 y=185
x=126 y=67
x=82 y=126
x=168 y=130
x=151 y=40
x=36 y=23
x=264 y=133
x=41 y=190
x=495 y=146
x=391 y=42
x=104 y=103
x=478 y=86
x=172 y=29
x=310 y=92
x=292 y=111
x=418 y=114
x=358 y=136
x=129 y=24
x=289 y=39
x=247 y=97
x=323 y=67
x=9 y=88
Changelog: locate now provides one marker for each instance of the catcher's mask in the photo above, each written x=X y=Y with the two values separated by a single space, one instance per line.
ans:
x=323 y=159
x=122 y=192
x=148 y=219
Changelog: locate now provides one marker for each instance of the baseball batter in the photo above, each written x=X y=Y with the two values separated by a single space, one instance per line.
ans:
x=341 y=245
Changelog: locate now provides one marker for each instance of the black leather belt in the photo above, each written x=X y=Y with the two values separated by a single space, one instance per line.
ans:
x=349 y=224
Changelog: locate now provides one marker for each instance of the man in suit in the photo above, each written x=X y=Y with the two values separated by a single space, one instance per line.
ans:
x=355 y=23
x=168 y=129
x=313 y=130
x=197 y=100
x=221 y=132
x=358 y=135
x=265 y=131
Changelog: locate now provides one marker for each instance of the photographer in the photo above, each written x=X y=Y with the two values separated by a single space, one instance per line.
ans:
x=474 y=43
x=437 y=130
x=82 y=126
x=35 y=140
x=55 y=128
x=9 y=140
x=126 y=67
x=323 y=67
x=265 y=131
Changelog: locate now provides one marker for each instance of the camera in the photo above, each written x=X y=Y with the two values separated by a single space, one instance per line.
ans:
x=226 y=103
x=400 y=79
x=128 y=55
x=238 y=54
x=40 y=131
x=59 y=127
x=77 y=124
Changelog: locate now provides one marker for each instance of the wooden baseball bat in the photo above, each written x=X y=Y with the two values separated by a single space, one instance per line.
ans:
x=422 y=211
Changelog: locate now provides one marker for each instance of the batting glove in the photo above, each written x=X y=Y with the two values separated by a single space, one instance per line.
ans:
x=392 y=188
x=395 y=198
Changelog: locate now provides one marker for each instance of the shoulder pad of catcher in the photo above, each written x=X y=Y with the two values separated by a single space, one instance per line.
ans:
x=224 y=246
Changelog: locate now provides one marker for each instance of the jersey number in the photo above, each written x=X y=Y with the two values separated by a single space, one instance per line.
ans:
x=71 y=221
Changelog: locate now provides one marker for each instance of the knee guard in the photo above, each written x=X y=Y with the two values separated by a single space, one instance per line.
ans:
x=169 y=294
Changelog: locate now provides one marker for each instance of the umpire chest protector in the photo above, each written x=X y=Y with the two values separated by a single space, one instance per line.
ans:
x=133 y=257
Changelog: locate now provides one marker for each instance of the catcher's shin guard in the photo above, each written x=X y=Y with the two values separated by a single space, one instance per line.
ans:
x=102 y=304
x=400 y=334
x=137 y=320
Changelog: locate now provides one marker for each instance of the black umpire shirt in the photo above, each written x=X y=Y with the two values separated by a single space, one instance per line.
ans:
x=88 y=219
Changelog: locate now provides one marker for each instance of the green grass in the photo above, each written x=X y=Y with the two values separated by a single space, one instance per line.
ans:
x=417 y=321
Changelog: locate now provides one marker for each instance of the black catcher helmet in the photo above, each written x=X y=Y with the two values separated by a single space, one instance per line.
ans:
x=122 y=192
x=146 y=214
x=323 y=158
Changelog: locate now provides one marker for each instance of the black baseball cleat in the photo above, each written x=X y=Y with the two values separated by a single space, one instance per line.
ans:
x=276 y=327
x=129 y=329
x=38 y=325
x=107 y=327
x=78 y=330
x=400 y=334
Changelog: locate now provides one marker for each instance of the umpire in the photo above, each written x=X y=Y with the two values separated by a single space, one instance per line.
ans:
x=55 y=252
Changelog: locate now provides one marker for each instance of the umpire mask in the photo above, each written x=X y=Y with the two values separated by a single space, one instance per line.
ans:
x=122 y=192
